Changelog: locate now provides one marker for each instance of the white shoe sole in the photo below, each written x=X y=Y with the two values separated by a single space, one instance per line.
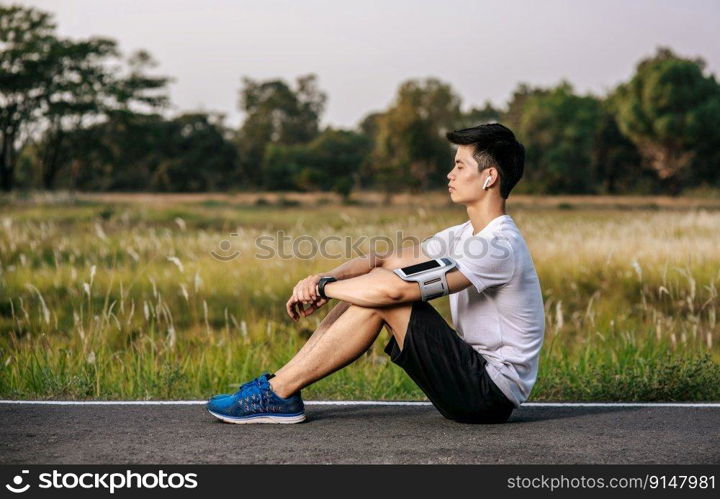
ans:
x=261 y=419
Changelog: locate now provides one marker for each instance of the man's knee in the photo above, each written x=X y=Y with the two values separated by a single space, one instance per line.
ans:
x=376 y=311
x=394 y=310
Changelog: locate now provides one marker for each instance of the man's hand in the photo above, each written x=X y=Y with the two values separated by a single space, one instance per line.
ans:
x=295 y=309
x=306 y=289
x=305 y=292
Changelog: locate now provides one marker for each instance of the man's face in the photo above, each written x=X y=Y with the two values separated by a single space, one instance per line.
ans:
x=465 y=183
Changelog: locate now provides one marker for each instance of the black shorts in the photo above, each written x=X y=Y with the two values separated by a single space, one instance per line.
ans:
x=448 y=370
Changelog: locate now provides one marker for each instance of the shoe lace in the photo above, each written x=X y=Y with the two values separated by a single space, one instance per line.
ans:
x=249 y=400
x=258 y=398
x=243 y=388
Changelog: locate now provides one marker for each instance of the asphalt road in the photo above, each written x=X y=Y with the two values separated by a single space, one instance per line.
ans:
x=187 y=434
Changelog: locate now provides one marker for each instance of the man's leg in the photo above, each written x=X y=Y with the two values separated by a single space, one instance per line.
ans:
x=347 y=337
x=322 y=328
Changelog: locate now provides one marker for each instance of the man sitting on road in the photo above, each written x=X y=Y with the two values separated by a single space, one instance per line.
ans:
x=476 y=373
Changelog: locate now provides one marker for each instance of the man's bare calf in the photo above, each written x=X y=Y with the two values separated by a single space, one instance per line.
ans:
x=344 y=335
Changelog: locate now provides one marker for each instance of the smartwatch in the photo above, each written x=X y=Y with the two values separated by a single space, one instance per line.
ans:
x=321 y=285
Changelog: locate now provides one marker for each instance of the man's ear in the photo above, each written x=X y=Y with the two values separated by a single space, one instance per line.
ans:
x=490 y=179
x=495 y=175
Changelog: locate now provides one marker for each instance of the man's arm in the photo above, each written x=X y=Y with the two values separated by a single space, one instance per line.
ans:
x=305 y=291
x=406 y=256
x=368 y=281
x=377 y=288
x=383 y=287
x=355 y=267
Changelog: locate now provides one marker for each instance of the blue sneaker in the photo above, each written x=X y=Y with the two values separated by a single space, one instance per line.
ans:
x=223 y=395
x=255 y=402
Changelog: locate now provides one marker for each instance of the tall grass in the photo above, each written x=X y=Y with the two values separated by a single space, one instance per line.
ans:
x=102 y=300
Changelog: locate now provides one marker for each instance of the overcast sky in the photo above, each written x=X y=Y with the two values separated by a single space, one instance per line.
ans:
x=362 y=50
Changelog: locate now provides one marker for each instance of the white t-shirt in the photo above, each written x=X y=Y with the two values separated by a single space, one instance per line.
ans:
x=501 y=315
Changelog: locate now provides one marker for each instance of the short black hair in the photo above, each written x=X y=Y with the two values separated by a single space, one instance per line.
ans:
x=495 y=145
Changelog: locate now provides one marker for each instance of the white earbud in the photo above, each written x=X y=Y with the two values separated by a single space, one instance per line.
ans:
x=487 y=181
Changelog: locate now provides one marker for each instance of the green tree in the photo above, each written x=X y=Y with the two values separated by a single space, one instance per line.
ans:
x=479 y=115
x=88 y=89
x=368 y=127
x=27 y=59
x=197 y=155
x=120 y=153
x=669 y=109
x=558 y=130
x=512 y=115
x=370 y=123
x=72 y=97
x=136 y=151
x=617 y=162
x=276 y=114
x=329 y=162
x=52 y=87
x=410 y=145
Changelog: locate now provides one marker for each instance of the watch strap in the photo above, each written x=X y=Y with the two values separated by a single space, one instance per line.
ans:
x=321 y=285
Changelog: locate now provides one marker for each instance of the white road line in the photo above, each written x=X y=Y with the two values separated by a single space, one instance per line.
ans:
x=714 y=405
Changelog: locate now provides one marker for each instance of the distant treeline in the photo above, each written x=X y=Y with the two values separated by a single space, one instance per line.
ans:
x=76 y=114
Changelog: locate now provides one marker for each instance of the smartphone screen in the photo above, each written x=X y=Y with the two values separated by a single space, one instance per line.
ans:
x=420 y=267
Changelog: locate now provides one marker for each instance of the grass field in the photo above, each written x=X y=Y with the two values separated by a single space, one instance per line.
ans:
x=119 y=297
